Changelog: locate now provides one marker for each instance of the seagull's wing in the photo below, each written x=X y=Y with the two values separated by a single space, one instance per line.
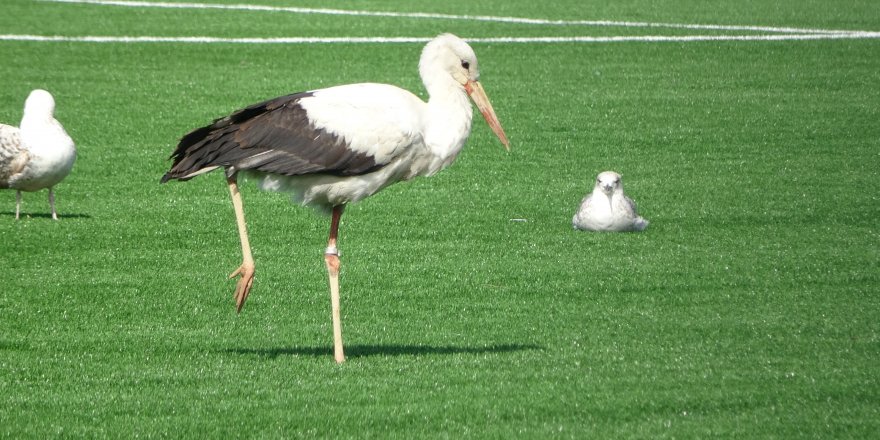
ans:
x=630 y=205
x=583 y=212
x=13 y=156
x=638 y=222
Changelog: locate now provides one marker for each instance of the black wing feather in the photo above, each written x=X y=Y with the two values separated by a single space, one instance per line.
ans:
x=273 y=136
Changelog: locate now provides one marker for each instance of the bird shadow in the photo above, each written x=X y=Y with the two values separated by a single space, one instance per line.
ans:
x=44 y=215
x=13 y=346
x=370 y=350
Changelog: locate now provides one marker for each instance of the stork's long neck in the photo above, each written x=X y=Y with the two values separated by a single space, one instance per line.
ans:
x=448 y=120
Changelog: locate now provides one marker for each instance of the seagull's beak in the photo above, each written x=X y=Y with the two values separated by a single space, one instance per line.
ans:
x=478 y=95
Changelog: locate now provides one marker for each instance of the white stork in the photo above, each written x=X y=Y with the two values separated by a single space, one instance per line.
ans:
x=338 y=145
x=38 y=154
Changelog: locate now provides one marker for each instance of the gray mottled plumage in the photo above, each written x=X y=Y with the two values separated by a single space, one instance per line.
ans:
x=606 y=208
x=12 y=156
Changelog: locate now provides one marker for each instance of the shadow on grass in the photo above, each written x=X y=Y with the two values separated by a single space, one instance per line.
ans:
x=46 y=215
x=17 y=346
x=382 y=350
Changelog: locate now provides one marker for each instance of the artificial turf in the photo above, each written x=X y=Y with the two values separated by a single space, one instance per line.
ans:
x=748 y=308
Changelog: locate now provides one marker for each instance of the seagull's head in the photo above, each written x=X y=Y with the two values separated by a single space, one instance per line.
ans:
x=449 y=62
x=609 y=182
x=39 y=103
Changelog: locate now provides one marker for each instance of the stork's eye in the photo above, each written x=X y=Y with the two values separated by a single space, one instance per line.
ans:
x=465 y=64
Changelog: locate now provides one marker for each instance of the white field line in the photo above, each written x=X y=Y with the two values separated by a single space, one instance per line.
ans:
x=356 y=40
x=517 y=20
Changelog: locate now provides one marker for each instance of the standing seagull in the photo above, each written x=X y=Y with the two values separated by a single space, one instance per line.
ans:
x=338 y=145
x=607 y=208
x=37 y=155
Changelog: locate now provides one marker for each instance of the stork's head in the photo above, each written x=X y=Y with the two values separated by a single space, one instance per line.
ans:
x=39 y=103
x=447 y=59
x=609 y=182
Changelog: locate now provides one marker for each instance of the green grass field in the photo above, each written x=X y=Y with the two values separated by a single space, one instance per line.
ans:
x=749 y=308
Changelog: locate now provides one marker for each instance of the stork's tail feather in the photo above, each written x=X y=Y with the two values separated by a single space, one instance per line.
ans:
x=212 y=146
x=191 y=158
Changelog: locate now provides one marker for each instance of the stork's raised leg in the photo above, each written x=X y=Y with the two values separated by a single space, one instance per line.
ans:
x=246 y=270
x=331 y=257
x=52 y=204
x=17 y=203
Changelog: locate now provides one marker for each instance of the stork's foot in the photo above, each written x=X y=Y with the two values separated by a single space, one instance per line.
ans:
x=243 y=286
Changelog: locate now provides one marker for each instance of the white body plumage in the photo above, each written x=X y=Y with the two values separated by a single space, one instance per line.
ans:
x=392 y=125
x=606 y=208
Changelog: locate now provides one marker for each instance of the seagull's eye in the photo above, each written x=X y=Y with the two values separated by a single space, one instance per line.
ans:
x=465 y=64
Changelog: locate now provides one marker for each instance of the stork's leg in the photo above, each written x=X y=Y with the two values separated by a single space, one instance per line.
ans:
x=52 y=204
x=17 y=203
x=246 y=270
x=331 y=257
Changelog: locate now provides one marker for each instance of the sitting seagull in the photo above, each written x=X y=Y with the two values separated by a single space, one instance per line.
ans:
x=607 y=209
x=37 y=155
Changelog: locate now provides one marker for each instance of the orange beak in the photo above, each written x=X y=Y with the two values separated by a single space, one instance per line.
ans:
x=478 y=95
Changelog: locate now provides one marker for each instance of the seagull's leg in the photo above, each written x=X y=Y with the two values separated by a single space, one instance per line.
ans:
x=246 y=270
x=331 y=257
x=52 y=204
x=17 y=203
